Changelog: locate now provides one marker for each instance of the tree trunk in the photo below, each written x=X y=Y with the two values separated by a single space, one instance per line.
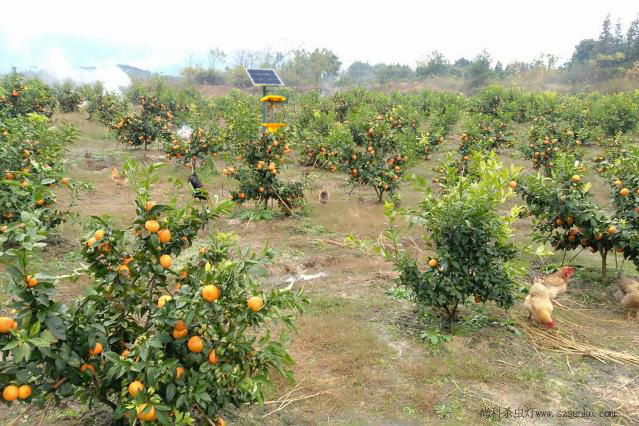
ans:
x=380 y=194
x=604 y=256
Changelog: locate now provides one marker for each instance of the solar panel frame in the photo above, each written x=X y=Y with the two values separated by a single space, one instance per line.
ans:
x=264 y=77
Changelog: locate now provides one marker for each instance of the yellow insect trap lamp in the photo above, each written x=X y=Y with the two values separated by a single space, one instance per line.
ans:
x=271 y=104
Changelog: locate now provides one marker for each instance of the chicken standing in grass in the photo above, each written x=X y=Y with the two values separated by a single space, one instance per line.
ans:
x=120 y=180
x=557 y=283
x=628 y=295
x=198 y=190
x=323 y=196
x=539 y=305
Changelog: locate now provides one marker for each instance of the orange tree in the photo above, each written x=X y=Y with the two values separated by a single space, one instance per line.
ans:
x=69 y=98
x=19 y=96
x=566 y=214
x=31 y=168
x=258 y=176
x=200 y=144
x=546 y=139
x=106 y=107
x=621 y=175
x=468 y=236
x=155 y=338
x=380 y=150
x=141 y=129
x=482 y=132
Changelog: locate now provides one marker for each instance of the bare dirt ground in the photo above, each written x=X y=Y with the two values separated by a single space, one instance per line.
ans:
x=364 y=354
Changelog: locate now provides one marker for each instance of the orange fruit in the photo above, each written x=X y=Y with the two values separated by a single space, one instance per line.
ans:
x=210 y=293
x=618 y=182
x=135 y=387
x=612 y=229
x=96 y=350
x=598 y=236
x=432 y=263
x=91 y=241
x=148 y=206
x=624 y=192
x=220 y=422
x=123 y=269
x=6 y=324
x=85 y=367
x=10 y=393
x=99 y=234
x=125 y=353
x=466 y=158
x=512 y=184
x=8 y=175
x=146 y=414
x=127 y=260
x=255 y=303
x=164 y=235
x=178 y=372
x=165 y=261
x=559 y=221
x=40 y=202
x=179 y=325
x=152 y=226
x=576 y=178
x=179 y=334
x=24 y=391
x=31 y=281
x=64 y=181
x=195 y=344
x=213 y=358
x=163 y=299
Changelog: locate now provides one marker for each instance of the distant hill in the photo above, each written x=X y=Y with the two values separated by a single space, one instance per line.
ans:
x=135 y=72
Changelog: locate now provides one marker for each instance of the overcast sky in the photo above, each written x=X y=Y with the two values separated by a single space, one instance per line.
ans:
x=159 y=36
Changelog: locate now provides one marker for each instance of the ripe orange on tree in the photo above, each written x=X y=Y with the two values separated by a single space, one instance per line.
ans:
x=210 y=293
x=135 y=387
x=24 y=391
x=146 y=414
x=10 y=393
x=6 y=324
x=255 y=303
x=96 y=350
x=164 y=235
x=195 y=344
x=165 y=261
x=152 y=226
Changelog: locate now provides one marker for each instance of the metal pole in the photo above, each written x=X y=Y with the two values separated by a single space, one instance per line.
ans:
x=263 y=109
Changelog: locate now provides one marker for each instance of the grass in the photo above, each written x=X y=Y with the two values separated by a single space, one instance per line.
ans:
x=362 y=346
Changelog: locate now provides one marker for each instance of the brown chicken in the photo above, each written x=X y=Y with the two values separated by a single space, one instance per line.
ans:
x=628 y=295
x=557 y=283
x=323 y=196
x=119 y=179
x=539 y=305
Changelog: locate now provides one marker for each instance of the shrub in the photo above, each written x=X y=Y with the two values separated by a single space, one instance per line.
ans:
x=31 y=165
x=68 y=97
x=258 y=175
x=20 y=96
x=469 y=238
x=152 y=339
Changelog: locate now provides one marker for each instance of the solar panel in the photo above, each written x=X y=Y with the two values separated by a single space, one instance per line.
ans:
x=265 y=77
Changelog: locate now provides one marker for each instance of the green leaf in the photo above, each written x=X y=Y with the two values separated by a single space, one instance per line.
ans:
x=170 y=392
x=56 y=327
